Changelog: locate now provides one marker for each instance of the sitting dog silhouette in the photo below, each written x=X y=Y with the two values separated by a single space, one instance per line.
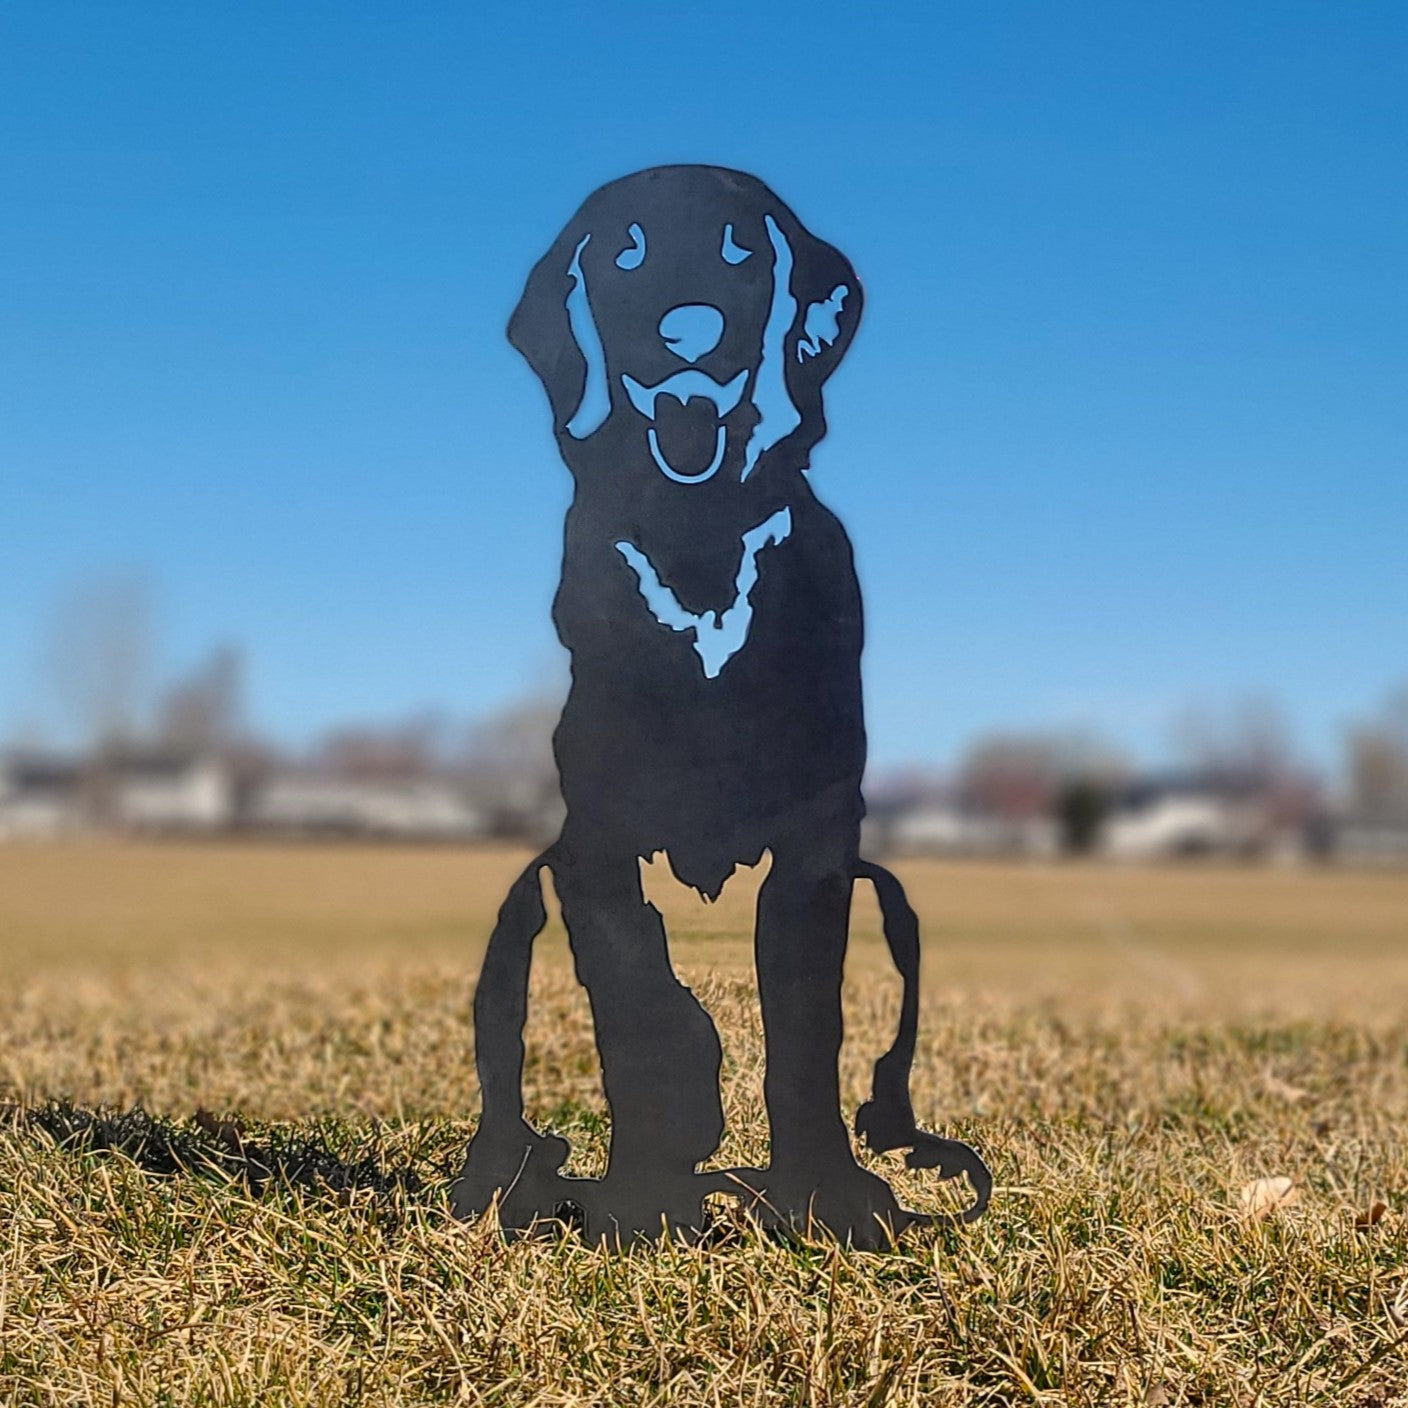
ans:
x=684 y=324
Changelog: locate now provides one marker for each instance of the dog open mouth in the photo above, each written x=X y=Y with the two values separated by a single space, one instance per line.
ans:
x=686 y=412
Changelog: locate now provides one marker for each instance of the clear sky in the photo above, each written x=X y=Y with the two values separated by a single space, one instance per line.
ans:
x=1126 y=425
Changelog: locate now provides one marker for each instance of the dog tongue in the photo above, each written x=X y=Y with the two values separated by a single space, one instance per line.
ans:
x=687 y=435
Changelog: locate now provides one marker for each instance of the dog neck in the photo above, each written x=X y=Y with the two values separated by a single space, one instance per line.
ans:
x=718 y=635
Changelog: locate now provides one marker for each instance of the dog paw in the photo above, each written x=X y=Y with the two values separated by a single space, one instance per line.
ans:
x=630 y=1209
x=518 y=1167
x=848 y=1204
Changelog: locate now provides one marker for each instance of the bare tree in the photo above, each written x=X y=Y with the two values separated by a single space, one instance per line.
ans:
x=1018 y=776
x=97 y=659
x=1068 y=776
x=414 y=749
x=1012 y=776
x=1248 y=750
x=1250 y=741
x=204 y=712
x=1378 y=764
x=510 y=771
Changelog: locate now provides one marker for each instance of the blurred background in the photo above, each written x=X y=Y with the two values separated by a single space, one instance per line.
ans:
x=1121 y=445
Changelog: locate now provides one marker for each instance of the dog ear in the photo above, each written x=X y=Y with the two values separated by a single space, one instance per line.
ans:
x=554 y=329
x=829 y=300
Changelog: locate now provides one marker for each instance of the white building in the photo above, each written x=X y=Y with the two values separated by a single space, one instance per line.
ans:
x=171 y=793
x=1158 y=820
x=39 y=797
x=938 y=828
x=316 y=802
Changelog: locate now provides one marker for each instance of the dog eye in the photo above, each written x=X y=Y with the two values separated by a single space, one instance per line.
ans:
x=733 y=253
x=634 y=256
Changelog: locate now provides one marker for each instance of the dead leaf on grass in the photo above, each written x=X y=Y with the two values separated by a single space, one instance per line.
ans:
x=1264 y=1196
x=1398 y=1307
x=1283 y=1089
x=1371 y=1216
x=1157 y=1394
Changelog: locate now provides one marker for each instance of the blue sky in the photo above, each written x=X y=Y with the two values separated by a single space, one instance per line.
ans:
x=1126 y=426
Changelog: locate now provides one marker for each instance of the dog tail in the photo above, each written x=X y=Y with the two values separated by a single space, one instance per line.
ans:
x=886 y=1121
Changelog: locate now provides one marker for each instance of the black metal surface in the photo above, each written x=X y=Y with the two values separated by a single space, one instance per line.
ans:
x=684 y=324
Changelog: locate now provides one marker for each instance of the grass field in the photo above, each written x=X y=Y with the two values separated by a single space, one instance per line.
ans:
x=1128 y=1048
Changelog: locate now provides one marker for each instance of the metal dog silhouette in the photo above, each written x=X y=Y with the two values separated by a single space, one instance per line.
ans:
x=684 y=324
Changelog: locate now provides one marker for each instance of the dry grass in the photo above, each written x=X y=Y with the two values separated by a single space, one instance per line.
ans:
x=1129 y=1049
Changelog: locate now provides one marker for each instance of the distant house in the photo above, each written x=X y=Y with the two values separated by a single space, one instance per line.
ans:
x=161 y=791
x=1161 y=818
x=1371 y=842
x=325 y=804
x=942 y=829
x=133 y=790
x=39 y=796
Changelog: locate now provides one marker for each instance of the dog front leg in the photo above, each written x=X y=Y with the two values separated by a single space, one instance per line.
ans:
x=660 y=1052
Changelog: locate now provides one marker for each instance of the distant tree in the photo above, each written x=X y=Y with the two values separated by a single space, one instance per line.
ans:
x=1249 y=750
x=97 y=657
x=509 y=769
x=204 y=713
x=1066 y=775
x=414 y=749
x=1378 y=764
x=1250 y=740
x=1081 y=807
x=1012 y=776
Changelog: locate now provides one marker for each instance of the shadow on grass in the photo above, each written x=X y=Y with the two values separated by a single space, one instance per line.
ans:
x=214 y=1147
x=220 y=1149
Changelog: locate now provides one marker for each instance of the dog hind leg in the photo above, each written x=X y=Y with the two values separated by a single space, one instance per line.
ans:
x=812 y=1179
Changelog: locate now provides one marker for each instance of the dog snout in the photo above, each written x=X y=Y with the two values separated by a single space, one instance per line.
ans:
x=692 y=330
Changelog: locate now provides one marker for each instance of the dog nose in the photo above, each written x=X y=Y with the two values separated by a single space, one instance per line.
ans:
x=692 y=330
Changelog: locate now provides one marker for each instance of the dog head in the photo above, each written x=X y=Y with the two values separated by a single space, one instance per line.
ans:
x=685 y=322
